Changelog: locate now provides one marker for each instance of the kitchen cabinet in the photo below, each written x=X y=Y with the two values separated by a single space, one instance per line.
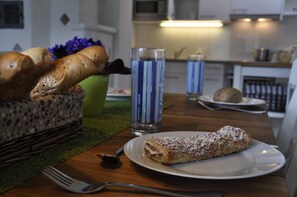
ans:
x=214 y=10
x=176 y=75
x=290 y=8
x=254 y=7
x=186 y=9
x=214 y=78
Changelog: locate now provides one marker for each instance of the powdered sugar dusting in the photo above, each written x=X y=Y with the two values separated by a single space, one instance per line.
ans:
x=205 y=145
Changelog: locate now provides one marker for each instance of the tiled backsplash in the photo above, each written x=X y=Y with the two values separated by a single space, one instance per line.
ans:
x=235 y=41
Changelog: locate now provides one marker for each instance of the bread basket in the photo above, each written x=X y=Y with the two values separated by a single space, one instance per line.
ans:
x=30 y=126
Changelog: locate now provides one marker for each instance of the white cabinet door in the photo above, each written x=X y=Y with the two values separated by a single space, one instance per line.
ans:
x=256 y=6
x=186 y=9
x=213 y=78
x=290 y=7
x=175 y=77
x=214 y=10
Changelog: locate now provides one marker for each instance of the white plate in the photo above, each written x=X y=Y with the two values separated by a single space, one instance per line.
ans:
x=259 y=159
x=118 y=95
x=245 y=101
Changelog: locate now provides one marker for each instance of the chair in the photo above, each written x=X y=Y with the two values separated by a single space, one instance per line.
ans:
x=287 y=135
x=291 y=174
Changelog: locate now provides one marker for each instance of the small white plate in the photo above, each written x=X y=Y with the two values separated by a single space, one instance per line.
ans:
x=118 y=94
x=259 y=159
x=118 y=97
x=245 y=101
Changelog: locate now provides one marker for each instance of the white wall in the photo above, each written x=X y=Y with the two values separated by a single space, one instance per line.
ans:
x=123 y=41
x=40 y=23
x=60 y=33
x=22 y=37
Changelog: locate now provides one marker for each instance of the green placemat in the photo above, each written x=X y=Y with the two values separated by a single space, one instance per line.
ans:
x=115 y=118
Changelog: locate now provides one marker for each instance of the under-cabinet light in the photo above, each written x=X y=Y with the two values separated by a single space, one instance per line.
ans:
x=264 y=19
x=245 y=20
x=191 y=23
x=255 y=19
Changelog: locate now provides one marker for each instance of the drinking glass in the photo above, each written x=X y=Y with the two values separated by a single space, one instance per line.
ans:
x=147 y=89
x=195 y=76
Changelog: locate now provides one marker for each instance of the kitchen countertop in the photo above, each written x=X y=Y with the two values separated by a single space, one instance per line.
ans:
x=240 y=62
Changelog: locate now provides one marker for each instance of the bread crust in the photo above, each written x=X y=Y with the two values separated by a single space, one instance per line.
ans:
x=230 y=95
x=70 y=70
x=96 y=54
x=18 y=75
x=172 y=150
x=38 y=55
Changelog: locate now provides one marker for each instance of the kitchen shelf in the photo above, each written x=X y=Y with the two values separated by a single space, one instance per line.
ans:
x=240 y=72
x=93 y=27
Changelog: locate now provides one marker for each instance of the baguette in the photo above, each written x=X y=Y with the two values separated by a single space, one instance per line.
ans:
x=173 y=150
x=18 y=75
x=70 y=70
x=97 y=55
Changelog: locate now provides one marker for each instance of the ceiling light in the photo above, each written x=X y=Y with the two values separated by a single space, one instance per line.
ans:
x=191 y=23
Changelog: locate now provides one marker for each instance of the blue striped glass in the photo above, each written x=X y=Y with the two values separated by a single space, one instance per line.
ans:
x=195 y=76
x=147 y=89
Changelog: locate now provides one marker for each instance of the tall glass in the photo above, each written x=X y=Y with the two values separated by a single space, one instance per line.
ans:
x=147 y=89
x=195 y=76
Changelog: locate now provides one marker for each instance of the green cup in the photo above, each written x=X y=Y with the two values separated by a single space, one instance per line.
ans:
x=95 y=87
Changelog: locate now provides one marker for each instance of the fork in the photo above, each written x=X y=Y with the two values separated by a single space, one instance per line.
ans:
x=231 y=108
x=82 y=187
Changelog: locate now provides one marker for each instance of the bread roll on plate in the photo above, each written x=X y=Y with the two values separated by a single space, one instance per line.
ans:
x=230 y=95
x=173 y=150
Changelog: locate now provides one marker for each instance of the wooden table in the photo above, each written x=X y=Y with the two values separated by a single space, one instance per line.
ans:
x=183 y=116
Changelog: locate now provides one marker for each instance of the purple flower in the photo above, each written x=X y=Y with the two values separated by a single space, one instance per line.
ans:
x=72 y=46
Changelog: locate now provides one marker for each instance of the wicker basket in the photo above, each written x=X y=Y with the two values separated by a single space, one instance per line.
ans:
x=31 y=126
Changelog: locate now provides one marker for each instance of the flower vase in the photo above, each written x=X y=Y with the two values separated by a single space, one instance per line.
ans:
x=95 y=87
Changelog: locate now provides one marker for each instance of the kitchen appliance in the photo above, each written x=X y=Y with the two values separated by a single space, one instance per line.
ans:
x=149 y=9
x=262 y=54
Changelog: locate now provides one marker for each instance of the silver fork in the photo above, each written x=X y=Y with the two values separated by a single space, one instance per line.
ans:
x=82 y=187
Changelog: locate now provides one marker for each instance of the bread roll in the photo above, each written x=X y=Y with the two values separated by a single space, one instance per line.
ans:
x=18 y=75
x=38 y=55
x=230 y=95
x=172 y=150
x=70 y=70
